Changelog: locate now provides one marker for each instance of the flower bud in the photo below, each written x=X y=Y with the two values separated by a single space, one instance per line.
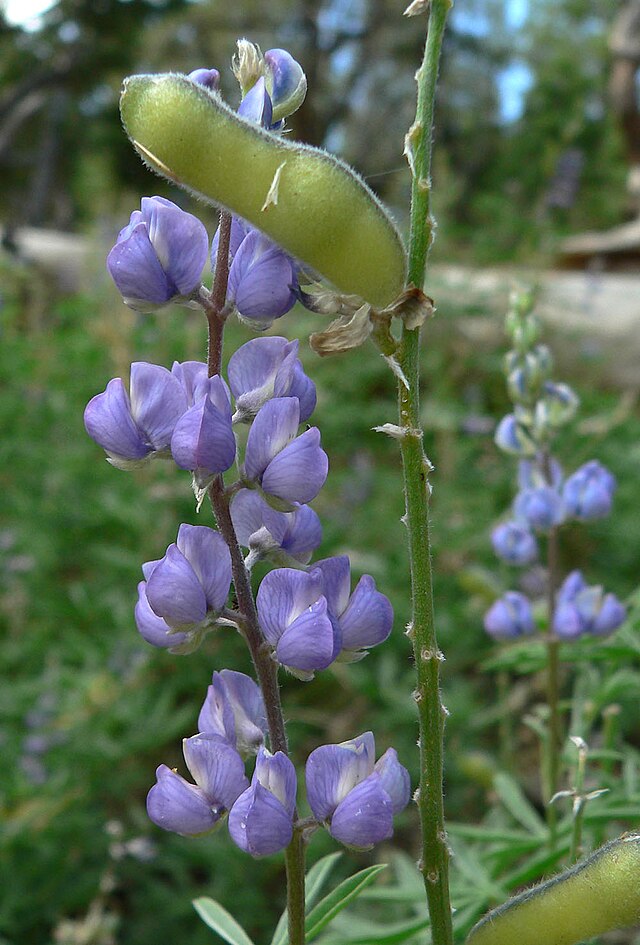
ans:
x=540 y=508
x=284 y=538
x=210 y=78
x=159 y=257
x=582 y=610
x=557 y=407
x=513 y=437
x=286 y=82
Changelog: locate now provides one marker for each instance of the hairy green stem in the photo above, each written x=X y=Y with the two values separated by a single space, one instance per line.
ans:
x=554 y=743
x=266 y=669
x=434 y=863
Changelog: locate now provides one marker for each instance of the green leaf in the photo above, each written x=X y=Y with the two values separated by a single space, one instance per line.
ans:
x=518 y=806
x=313 y=883
x=340 y=897
x=221 y=921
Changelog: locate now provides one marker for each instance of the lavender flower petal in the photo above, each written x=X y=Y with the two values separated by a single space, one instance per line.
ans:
x=258 y=823
x=283 y=595
x=276 y=773
x=368 y=617
x=394 y=778
x=203 y=439
x=152 y=628
x=274 y=427
x=157 y=402
x=309 y=642
x=174 y=591
x=217 y=768
x=208 y=555
x=108 y=421
x=180 y=242
x=365 y=816
x=136 y=270
x=332 y=771
x=299 y=471
x=176 y=805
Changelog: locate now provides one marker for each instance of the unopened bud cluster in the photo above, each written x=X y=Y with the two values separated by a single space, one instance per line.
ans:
x=546 y=498
x=308 y=613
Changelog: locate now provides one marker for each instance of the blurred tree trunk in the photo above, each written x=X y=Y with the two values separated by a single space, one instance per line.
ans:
x=624 y=43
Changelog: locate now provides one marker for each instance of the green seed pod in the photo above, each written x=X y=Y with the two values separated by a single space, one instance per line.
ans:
x=598 y=895
x=307 y=201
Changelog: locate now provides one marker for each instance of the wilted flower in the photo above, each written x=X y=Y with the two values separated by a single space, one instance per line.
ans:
x=133 y=428
x=159 y=256
x=234 y=709
x=509 y=617
x=354 y=797
x=193 y=809
x=261 y=820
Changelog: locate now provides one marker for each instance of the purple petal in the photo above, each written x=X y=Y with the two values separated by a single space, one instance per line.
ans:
x=567 y=622
x=248 y=708
x=108 y=421
x=152 y=628
x=176 y=805
x=174 y=591
x=217 y=768
x=612 y=615
x=246 y=514
x=137 y=272
x=283 y=595
x=203 y=439
x=332 y=771
x=336 y=582
x=180 y=241
x=365 y=816
x=192 y=375
x=274 y=427
x=277 y=774
x=216 y=714
x=299 y=471
x=208 y=554
x=256 y=105
x=286 y=81
x=394 y=778
x=304 y=389
x=258 y=823
x=514 y=543
x=157 y=402
x=239 y=230
x=255 y=364
x=210 y=78
x=298 y=533
x=368 y=617
x=308 y=643
x=260 y=279
x=571 y=587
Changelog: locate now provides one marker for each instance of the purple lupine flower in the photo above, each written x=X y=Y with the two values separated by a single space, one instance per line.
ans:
x=261 y=820
x=365 y=617
x=262 y=281
x=159 y=256
x=256 y=104
x=282 y=537
x=134 y=428
x=193 y=377
x=187 y=589
x=540 y=508
x=264 y=368
x=194 y=809
x=210 y=78
x=289 y=467
x=294 y=619
x=286 y=82
x=588 y=493
x=532 y=475
x=582 y=610
x=509 y=617
x=234 y=709
x=514 y=543
x=353 y=797
x=203 y=439
x=512 y=437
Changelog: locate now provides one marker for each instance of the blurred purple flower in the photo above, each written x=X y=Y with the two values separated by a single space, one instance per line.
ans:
x=234 y=709
x=194 y=809
x=588 y=493
x=294 y=620
x=261 y=820
x=582 y=610
x=365 y=617
x=353 y=797
x=289 y=467
x=159 y=256
x=513 y=542
x=509 y=617
x=540 y=508
x=282 y=537
x=268 y=367
x=138 y=427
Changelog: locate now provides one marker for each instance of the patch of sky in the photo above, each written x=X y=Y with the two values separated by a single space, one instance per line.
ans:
x=26 y=14
x=514 y=82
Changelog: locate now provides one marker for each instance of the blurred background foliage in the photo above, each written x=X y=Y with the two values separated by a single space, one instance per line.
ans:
x=87 y=710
